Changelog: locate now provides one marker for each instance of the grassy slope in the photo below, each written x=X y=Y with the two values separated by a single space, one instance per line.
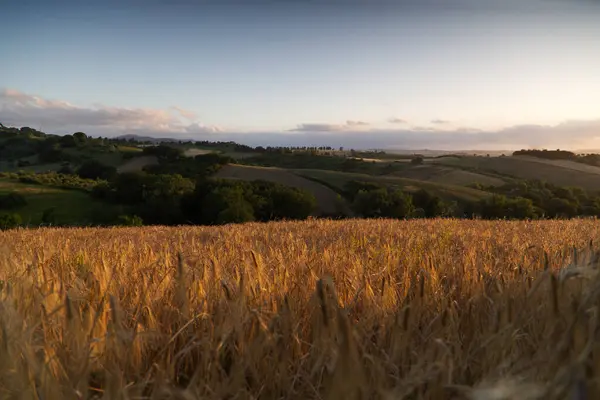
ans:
x=326 y=198
x=524 y=168
x=339 y=179
x=72 y=206
x=447 y=175
x=567 y=164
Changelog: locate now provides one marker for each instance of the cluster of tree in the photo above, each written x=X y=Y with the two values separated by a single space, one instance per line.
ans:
x=172 y=161
x=590 y=159
x=372 y=200
x=536 y=199
x=324 y=162
x=94 y=170
x=225 y=201
x=173 y=199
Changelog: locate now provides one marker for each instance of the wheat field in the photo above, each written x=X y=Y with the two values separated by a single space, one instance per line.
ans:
x=357 y=309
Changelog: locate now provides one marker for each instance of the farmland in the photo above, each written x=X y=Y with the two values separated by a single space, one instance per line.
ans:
x=326 y=198
x=383 y=309
x=562 y=173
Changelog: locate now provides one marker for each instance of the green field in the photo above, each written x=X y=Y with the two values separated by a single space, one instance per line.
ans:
x=72 y=207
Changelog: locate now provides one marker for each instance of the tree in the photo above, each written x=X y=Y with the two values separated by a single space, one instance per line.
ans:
x=493 y=207
x=383 y=203
x=432 y=206
x=80 y=137
x=10 y=221
x=291 y=203
x=68 y=141
x=94 y=169
x=129 y=220
x=522 y=208
x=226 y=205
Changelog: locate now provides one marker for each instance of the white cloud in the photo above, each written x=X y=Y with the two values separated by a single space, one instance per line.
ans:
x=438 y=121
x=396 y=120
x=57 y=116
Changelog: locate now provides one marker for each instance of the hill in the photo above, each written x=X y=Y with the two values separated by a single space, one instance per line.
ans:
x=338 y=180
x=327 y=200
x=447 y=175
x=555 y=172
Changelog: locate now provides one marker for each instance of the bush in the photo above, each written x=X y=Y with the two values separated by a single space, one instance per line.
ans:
x=9 y=221
x=93 y=169
x=129 y=220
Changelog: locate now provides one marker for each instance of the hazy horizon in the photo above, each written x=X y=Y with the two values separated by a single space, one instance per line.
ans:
x=444 y=75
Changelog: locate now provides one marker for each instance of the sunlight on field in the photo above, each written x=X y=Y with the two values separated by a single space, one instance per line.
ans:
x=303 y=310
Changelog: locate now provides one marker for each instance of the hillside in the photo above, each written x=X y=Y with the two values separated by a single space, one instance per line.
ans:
x=422 y=309
x=338 y=180
x=447 y=175
x=558 y=173
x=69 y=207
x=327 y=199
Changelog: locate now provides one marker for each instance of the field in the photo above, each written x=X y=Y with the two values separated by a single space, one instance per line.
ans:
x=326 y=198
x=561 y=174
x=337 y=180
x=70 y=206
x=454 y=176
x=425 y=309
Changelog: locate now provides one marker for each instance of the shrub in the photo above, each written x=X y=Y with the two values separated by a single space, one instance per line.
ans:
x=10 y=221
x=129 y=220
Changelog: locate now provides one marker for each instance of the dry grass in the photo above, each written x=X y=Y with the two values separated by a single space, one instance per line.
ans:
x=306 y=310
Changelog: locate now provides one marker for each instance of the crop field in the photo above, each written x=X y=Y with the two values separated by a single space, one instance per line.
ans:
x=357 y=309
x=338 y=180
x=562 y=173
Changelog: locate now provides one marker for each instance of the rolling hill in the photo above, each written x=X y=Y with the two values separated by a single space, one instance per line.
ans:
x=561 y=173
x=327 y=199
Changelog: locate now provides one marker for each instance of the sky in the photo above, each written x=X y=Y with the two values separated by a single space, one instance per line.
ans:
x=437 y=74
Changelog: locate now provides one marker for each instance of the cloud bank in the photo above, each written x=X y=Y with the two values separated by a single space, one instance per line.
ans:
x=57 y=116
x=61 y=117
x=349 y=125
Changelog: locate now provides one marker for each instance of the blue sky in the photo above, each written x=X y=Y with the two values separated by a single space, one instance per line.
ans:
x=428 y=73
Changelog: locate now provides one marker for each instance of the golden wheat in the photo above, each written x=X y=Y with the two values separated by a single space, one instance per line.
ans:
x=357 y=309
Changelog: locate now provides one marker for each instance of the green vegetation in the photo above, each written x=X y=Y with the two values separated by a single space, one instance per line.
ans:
x=80 y=180
x=70 y=207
